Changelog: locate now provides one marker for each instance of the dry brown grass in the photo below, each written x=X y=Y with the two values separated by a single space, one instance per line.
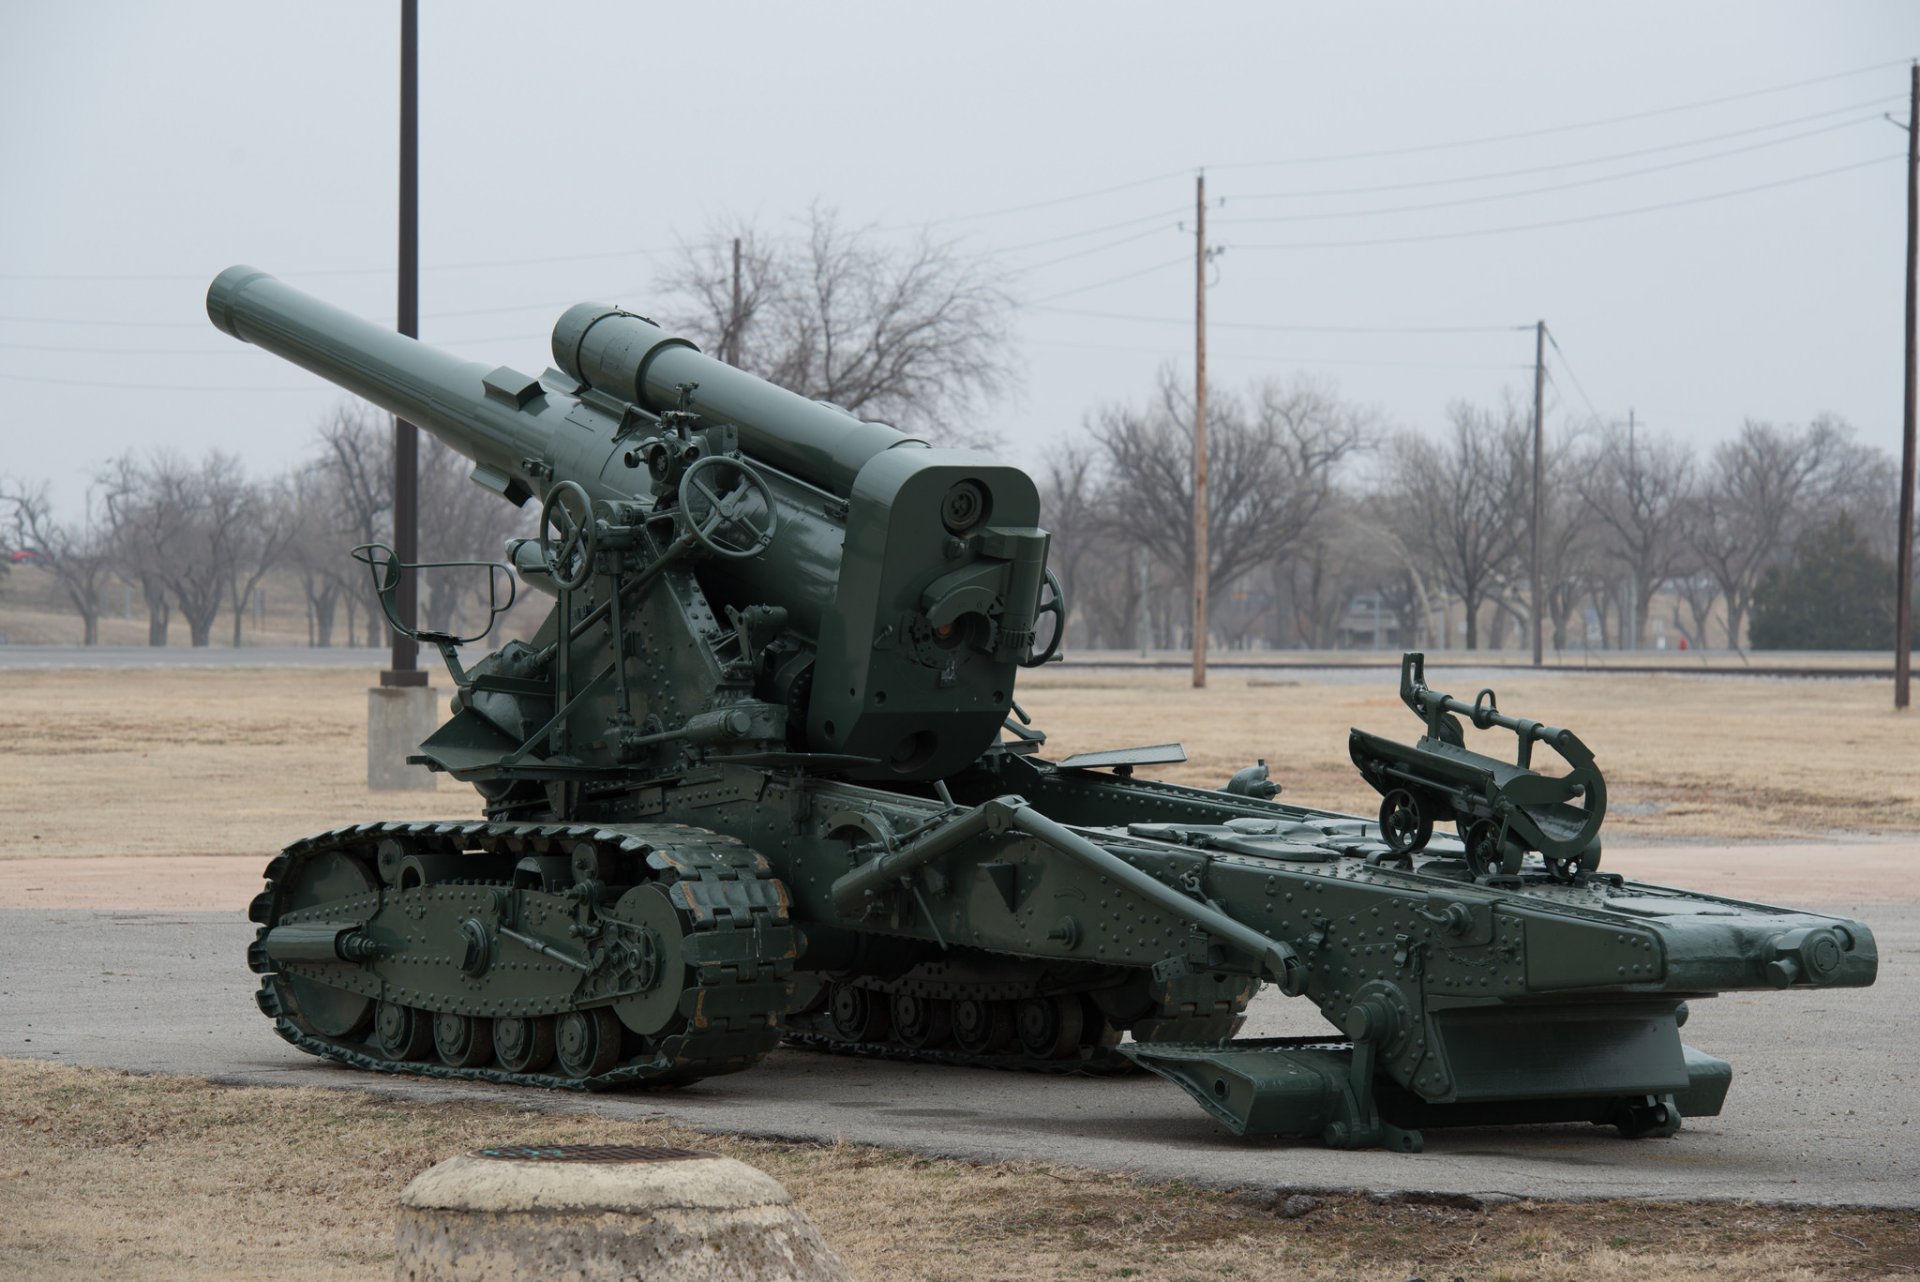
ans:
x=202 y=761
x=107 y=1175
x=207 y=761
x=1684 y=756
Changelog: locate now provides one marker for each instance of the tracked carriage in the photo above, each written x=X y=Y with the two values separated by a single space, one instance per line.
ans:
x=760 y=775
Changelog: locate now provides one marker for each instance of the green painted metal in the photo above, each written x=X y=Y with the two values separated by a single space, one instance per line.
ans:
x=760 y=776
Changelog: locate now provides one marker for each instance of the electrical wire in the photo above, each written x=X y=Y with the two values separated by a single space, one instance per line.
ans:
x=116 y=323
x=1285 y=329
x=122 y=278
x=1553 y=188
x=1530 y=170
x=1560 y=129
x=1223 y=354
x=1115 y=280
x=1569 y=222
x=1041 y=204
x=152 y=387
x=1567 y=365
x=1090 y=231
x=1098 y=249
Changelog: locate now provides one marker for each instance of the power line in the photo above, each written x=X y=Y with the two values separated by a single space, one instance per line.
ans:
x=1529 y=170
x=1555 y=187
x=1289 y=360
x=1568 y=222
x=121 y=278
x=1042 y=204
x=1090 y=231
x=1286 y=329
x=1097 y=249
x=1115 y=280
x=116 y=323
x=151 y=387
x=1567 y=365
x=1560 y=129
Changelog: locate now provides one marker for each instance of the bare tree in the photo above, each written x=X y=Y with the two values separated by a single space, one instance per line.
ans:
x=80 y=556
x=1463 y=505
x=1638 y=491
x=1760 y=490
x=267 y=532
x=460 y=521
x=1272 y=462
x=357 y=463
x=145 y=535
x=913 y=334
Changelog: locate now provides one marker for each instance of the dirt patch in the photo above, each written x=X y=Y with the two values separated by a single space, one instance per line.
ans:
x=107 y=1175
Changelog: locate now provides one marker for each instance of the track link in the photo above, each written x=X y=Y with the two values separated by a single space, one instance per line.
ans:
x=738 y=943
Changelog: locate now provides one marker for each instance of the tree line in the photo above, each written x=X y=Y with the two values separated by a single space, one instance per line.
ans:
x=1326 y=527
x=195 y=538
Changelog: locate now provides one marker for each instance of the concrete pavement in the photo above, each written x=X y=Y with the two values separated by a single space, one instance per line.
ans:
x=1822 y=1111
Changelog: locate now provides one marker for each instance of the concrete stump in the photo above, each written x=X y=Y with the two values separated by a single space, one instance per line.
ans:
x=583 y=1213
x=398 y=718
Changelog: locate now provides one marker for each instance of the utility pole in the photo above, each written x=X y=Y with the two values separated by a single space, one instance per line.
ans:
x=1539 y=378
x=1200 y=431
x=732 y=355
x=1903 y=613
x=400 y=710
x=405 y=669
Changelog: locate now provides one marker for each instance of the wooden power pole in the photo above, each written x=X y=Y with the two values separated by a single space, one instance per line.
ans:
x=1539 y=472
x=1200 y=432
x=1903 y=611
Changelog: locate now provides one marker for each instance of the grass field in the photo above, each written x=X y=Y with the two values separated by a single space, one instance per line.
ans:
x=210 y=761
x=107 y=1175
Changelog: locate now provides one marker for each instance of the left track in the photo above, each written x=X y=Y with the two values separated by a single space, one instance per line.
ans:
x=556 y=955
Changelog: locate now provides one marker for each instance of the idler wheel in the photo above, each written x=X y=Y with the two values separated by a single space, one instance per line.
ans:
x=982 y=1027
x=331 y=1012
x=402 y=1033
x=587 y=1042
x=1049 y=1027
x=656 y=960
x=1488 y=853
x=1405 y=824
x=921 y=1022
x=462 y=1041
x=857 y=1014
x=523 y=1045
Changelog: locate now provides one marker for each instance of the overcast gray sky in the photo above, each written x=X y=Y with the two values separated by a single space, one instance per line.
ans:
x=566 y=145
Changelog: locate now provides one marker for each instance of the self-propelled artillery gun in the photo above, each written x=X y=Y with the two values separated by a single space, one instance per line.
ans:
x=760 y=775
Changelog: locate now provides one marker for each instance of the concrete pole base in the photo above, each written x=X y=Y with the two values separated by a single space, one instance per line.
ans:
x=585 y=1213
x=398 y=718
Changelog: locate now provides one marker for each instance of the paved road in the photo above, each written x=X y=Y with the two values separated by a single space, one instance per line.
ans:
x=1823 y=1108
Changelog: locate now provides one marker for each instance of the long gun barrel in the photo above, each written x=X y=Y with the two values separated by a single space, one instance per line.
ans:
x=621 y=355
x=907 y=579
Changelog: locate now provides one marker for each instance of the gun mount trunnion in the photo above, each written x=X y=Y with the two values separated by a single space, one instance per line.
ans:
x=760 y=775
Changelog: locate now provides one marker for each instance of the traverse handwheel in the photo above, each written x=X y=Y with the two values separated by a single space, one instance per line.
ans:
x=1053 y=603
x=716 y=498
x=567 y=516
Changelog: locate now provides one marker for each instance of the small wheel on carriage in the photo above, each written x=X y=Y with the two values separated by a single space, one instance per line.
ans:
x=1406 y=824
